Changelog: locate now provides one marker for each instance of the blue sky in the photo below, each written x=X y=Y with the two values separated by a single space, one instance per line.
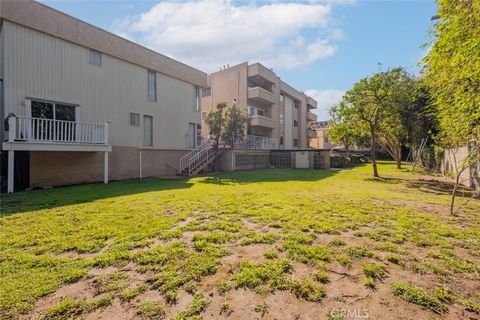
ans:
x=322 y=48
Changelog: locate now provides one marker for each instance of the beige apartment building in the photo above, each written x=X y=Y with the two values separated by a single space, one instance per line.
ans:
x=279 y=113
x=319 y=136
x=81 y=104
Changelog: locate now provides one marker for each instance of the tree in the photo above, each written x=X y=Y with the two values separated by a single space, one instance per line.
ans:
x=373 y=107
x=343 y=130
x=215 y=122
x=452 y=73
x=235 y=121
x=227 y=124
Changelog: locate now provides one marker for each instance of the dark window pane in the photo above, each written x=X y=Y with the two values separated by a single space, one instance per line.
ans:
x=135 y=119
x=64 y=112
x=152 y=86
x=42 y=109
x=95 y=57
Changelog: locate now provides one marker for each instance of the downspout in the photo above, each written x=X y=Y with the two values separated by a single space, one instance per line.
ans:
x=140 y=173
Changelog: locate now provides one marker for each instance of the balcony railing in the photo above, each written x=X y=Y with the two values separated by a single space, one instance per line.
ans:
x=40 y=130
x=257 y=142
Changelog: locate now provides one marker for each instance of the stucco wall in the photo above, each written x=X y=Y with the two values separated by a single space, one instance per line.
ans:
x=232 y=83
x=453 y=159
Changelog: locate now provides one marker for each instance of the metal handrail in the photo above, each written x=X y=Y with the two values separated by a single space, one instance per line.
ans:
x=198 y=155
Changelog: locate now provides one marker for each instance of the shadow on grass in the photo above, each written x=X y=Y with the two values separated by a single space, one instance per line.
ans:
x=268 y=175
x=438 y=187
x=69 y=195
x=386 y=180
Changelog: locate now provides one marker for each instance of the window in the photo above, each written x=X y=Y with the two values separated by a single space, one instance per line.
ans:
x=281 y=118
x=207 y=92
x=95 y=58
x=295 y=142
x=152 y=86
x=49 y=130
x=295 y=123
x=204 y=115
x=197 y=96
x=296 y=104
x=147 y=131
x=281 y=140
x=51 y=110
x=325 y=139
x=135 y=119
x=282 y=98
x=194 y=135
x=253 y=111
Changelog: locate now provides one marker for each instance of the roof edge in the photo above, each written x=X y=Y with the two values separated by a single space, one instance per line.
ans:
x=40 y=17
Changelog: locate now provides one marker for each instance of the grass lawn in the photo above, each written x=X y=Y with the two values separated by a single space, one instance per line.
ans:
x=272 y=244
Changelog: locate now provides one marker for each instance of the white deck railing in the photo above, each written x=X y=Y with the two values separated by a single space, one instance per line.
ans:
x=257 y=142
x=194 y=158
x=40 y=130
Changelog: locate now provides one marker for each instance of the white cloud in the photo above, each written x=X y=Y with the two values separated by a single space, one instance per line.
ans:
x=211 y=33
x=325 y=100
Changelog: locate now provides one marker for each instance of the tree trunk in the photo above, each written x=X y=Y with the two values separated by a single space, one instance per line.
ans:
x=398 y=157
x=374 y=155
x=454 y=194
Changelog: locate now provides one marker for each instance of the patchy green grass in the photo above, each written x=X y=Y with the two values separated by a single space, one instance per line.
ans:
x=413 y=294
x=150 y=310
x=295 y=231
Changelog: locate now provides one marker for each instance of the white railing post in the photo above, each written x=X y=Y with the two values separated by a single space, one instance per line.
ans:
x=105 y=133
x=12 y=128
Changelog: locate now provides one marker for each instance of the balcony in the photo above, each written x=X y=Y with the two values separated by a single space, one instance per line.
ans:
x=311 y=116
x=40 y=134
x=311 y=103
x=262 y=121
x=311 y=133
x=258 y=71
x=261 y=96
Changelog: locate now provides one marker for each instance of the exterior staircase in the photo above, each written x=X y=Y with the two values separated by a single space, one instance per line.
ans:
x=197 y=159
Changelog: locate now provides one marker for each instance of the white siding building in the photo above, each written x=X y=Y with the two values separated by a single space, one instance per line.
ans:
x=84 y=105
